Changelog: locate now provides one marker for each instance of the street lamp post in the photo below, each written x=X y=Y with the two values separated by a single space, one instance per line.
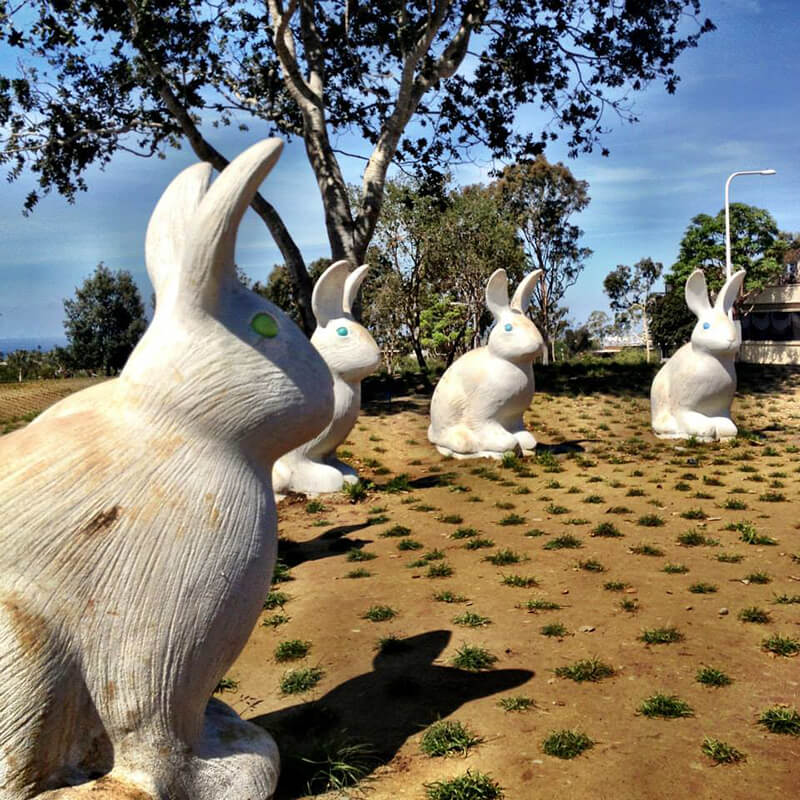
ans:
x=728 y=263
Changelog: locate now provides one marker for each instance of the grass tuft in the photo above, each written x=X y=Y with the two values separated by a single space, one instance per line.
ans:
x=781 y=645
x=665 y=706
x=379 y=613
x=566 y=743
x=781 y=719
x=587 y=669
x=473 y=658
x=292 y=649
x=709 y=676
x=469 y=786
x=446 y=737
x=661 y=636
x=297 y=681
x=721 y=752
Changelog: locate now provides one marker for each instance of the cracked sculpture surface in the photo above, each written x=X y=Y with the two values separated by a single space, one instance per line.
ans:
x=477 y=406
x=138 y=529
x=351 y=354
x=692 y=393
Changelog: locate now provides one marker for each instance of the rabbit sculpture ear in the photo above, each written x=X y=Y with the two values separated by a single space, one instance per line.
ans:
x=497 y=293
x=351 y=286
x=729 y=292
x=327 y=299
x=208 y=259
x=697 y=293
x=522 y=297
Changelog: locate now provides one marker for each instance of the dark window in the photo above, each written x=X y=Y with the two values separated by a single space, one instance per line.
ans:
x=775 y=326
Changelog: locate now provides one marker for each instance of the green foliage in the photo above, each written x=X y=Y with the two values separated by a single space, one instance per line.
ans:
x=665 y=706
x=709 y=676
x=292 y=649
x=469 y=786
x=447 y=737
x=298 y=681
x=781 y=645
x=587 y=669
x=566 y=743
x=721 y=752
x=104 y=321
x=781 y=719
x=473 y=658
x=661 y=636
x=516 y=703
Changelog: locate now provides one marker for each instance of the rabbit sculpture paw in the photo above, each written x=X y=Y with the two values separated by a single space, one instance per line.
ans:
x=138 y=529
x=477 y=406
x=692 y=393
x=351 y=354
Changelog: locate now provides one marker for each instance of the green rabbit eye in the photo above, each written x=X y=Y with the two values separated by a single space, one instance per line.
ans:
x=342 y=331
x=264 y=325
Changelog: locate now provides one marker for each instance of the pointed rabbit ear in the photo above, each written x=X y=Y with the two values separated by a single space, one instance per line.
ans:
x=729 y=292
x=165 y=241
x=211 y=242
x=497 y=292
x=522 y=297
x=697 y=293
x=328 y=295
x=351 y=287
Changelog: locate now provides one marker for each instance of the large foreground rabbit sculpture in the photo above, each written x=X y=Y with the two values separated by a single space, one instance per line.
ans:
x=351 y=354
x=478 y=404
x=138 y=531
x=692 y=393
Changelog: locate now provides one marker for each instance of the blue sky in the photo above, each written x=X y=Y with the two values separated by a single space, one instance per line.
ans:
x=737 y=107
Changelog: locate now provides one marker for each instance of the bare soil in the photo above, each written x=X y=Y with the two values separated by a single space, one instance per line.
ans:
x=605 y=457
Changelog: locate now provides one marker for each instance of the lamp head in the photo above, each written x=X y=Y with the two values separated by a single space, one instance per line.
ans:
x=766 y=172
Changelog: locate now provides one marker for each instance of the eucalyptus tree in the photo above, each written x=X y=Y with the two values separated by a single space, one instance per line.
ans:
x=417 y=83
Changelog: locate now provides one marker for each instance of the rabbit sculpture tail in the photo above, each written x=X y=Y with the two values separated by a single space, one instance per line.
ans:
x=351 y=354
x=477 y=406
x=692 y=393
x=138 y=529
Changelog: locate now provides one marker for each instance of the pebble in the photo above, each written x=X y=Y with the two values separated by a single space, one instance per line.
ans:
x=722 y=612
x=586 y=628
x=689 y=608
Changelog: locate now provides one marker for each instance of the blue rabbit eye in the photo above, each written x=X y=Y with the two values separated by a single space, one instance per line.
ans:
x=264 y=325
x=706 y=325
x=342 y=331
x=508 y=326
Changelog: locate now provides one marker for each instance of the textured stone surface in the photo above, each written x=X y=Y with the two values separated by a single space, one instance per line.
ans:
x=692 y=393
x=138 y=530
x=351 y=354
x=477 y=407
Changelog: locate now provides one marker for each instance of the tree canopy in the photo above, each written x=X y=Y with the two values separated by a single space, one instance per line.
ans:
x=104 y=321
x=100 y=76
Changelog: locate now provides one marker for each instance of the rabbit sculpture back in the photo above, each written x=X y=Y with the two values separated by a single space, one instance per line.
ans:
x=138 y=530
x=692 y=393
x=351 y=354
x=477 y=406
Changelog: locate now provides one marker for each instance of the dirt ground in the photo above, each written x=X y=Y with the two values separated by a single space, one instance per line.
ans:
x=608 y=467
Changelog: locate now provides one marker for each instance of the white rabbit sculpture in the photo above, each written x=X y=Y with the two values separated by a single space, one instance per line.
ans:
x=692 y=393
x=477 y=406
x=351 y=354
x=138 y=529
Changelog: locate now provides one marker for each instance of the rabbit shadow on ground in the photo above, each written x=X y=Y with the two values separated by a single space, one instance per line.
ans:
x=332 y=542
x=404 y=693
x=569 y=446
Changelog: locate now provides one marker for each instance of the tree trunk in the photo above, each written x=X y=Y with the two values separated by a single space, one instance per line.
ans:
x=423 y=364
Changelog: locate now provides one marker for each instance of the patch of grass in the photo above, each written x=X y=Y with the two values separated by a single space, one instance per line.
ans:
x=661 y=636
x=709 y=676
x=786 y=599
x=730 y=558
x=566 y=743
x=275 y=620
x=512 y=519
x=665 y=706
x=275 y=600
x=781 y=719
x=520 y=581
x=587 y=669
x=772 y=497
x=703 y=588
x=399 y=483
x=396 y=531
x=595 y=499
x=478 y=543
x=379 y=613
x=646 y=550
x=635 y=493
x=356 y=554
x=735 y=505
x=615 y=586
x=391 y=645
x=721 y=752
x=463 y=533
x=781 y=645
x=606 y=529
x=554 y=629
x=471 y=620
x=359 y=573
x=439 y=569
x=565 y=542
x=675 y=569
x=754 y=614
x=749 y=535
x=651 y=521
x=516 y=703
x=423 y=507
x=629 y=604
x=226 y=685
x=540 y=604
x=446 y=737
x=534 y=533
x=469 y=786
x=297 y=681
x=591 y=565
x=446 y=596
x=377 y=519
x=409 y=544
x=281 y=573
x=355 y=492
x=618 y=510
x=693 y=538
x=504 y=557
x=292 y=649
x=760 y=578
x=451 y=519
x=315 y=507
x=555 y=509
x=473 y=658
